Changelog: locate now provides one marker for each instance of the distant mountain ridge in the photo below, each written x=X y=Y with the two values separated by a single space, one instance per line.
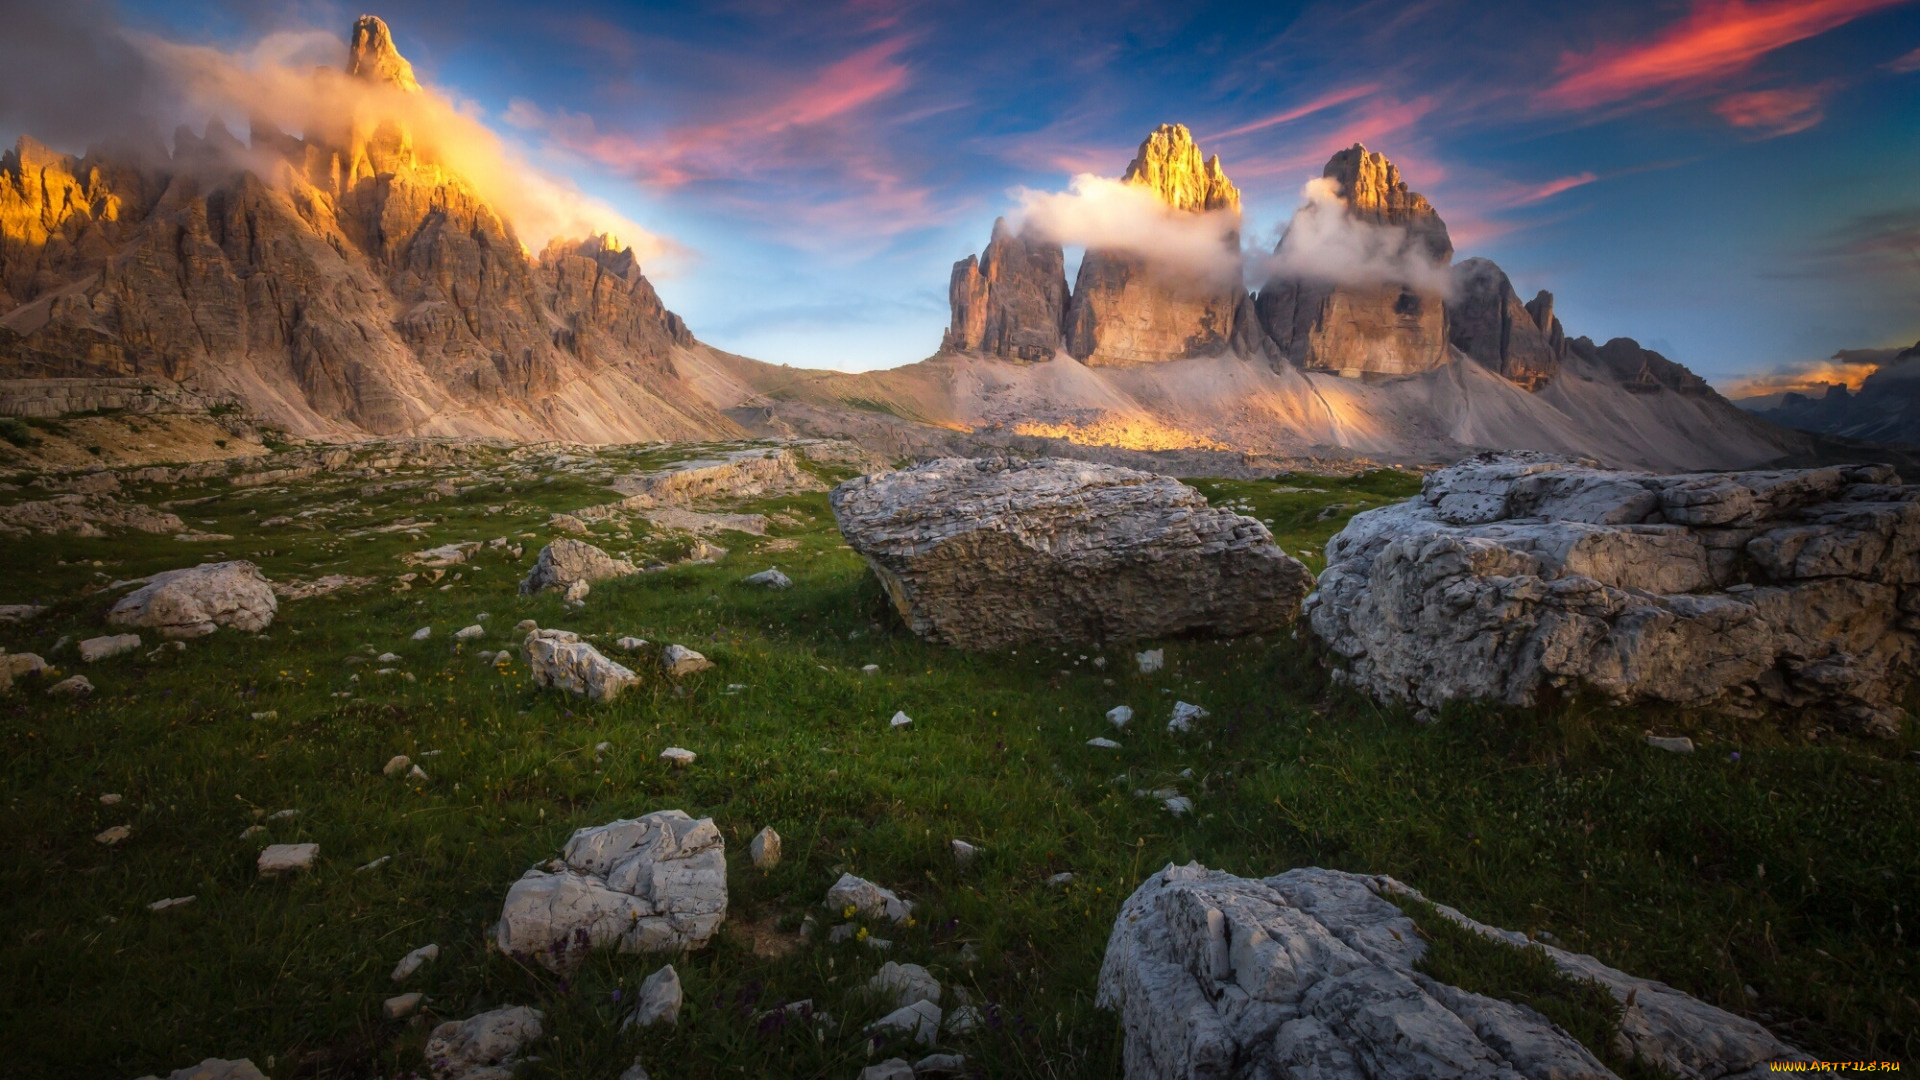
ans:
x=1886 y=408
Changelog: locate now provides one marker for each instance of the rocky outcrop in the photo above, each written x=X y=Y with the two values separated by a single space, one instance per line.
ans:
x=1388 y=328
x=1640 y=370
x=739 y=474
x=343 y=282
x=559 y=659
x=566 y=563
x=984 y=554
x=1747 y=591
x=1487 y=321
x=1124 y=311
x=1011 y=301
x=195 y=601
x=1314 y=973
x=653 y=884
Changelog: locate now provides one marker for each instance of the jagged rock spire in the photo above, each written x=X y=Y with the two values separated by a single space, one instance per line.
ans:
x=1374 y=193
x=371 y=55
x=1168 y=162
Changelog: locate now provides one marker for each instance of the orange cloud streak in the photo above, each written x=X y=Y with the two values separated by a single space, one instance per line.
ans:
x=1775 y=112
x=1551 y=188
x=1719 y=38
x=1325 y=101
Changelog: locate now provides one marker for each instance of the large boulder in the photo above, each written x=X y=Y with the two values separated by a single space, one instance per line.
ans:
x=194 y=601
x=558 y=658
x=652 y=884
x=564 y=563
x=1746 y=591
x=983 y=554
x=487 y=1046
x=1311 y=973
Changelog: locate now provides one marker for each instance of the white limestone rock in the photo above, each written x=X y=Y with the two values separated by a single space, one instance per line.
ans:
x=765 y=849
x=71 y=686
x=565 y=562
x=101 y=648
x=195 y=601
x=1745 y=592
x=919 y=1021
x=470 y=633
x=483 y=1047
x=659 y=1002
x=984 y=554
x=14 y=665
x=769 y=579
x=216 y=1069
x=414 y=961
x=1311 y=973
x=400 y=1006
x=278 y=859
x=678 y=756
x=652 y=884
x=678 y=660
x=867 y=899
x=558 y=658
x=904 y=984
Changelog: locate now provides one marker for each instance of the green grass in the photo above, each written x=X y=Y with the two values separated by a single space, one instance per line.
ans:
x=1555 y=819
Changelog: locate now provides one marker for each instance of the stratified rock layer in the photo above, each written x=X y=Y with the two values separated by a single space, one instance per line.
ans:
x=1311 y=974
x=1741 y=591
x=983 y=554
x=1124 y=312
x=1011 y=301
x=653 y=884
x=1390 y=328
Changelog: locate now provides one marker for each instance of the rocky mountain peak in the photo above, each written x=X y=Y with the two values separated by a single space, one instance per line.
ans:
x=1169 y=163
x=371 y=56
x=1374 y=192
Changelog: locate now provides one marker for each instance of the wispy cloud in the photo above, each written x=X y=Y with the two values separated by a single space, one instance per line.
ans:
x=1547 y=190
x=1907 y=64
x=1771 y=113
x=1719 y=38
x=1319 y=104
x=1848 y=368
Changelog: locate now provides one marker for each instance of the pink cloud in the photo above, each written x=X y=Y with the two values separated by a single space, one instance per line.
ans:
x=1542 y=192
x=1325 y=101
x=1717 y=39
x=1769 y=113
x=1906 y=64
x=1387 y=124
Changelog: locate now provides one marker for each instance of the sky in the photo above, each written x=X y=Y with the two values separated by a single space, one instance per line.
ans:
x=1732 y=183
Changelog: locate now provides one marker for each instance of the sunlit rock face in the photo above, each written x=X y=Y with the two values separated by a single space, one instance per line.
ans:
x=1383 y=328
x=342 y=282
x=1011 y=301
x=1487 y=321
x=1123 y=310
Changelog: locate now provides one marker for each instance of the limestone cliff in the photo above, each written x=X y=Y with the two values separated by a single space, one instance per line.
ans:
x=1122 y=311
x=1385 y=328
x=340 y=283
x=1011 y=301
x=1487 y=321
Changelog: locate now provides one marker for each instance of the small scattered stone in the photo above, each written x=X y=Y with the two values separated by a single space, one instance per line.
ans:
x=469 y=633
x=525 y=626
x=414 y=961
x=940 y=1065
x=171 y=902
x=388 y=658
x=423 y=633
x=904 y=984
x=1151 y=660
x=1178 y=805
x=112 y=836
x=1675 y=744
x=635 y=1071
x=74 y=686
x=1120 y=715
x=101 y=648
x=771 y=579
x=867 y=899
x=765 y=849
x=920 y=1020
x=374 y=865
x=216 y=1069
x=1184 y=715
x=252 y=831
x=679 y=660
x=900 y=720
x=677 y=756
x=401 y=1005
x=842 y=932
x=267 y=714
x=1061 y=880
x=283 y=815
x=660 y=998
x=963 y=853
x=396 y=765
x=890 y=1069
x=630 y=644
x=109 y=799
x=1104 y=744
x=416 y=773
x=870 y=669
x=277 y=859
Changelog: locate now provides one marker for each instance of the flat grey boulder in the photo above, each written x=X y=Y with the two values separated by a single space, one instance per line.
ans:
x=558 y=658
x=216 y=1069
x=770 y=578
x=651 y=884
x=1745 y=592
x=101 y=648
x=1311 y=973
x=197 y=600
x=483 y=1047
x=984 y=554
x=566 y=563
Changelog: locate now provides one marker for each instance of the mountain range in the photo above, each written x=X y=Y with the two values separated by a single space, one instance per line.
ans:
x=344 y=283
x=1885 y=409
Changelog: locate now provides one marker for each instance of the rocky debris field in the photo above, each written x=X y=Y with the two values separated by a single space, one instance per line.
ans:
x=339 y=798
x=1740 y=592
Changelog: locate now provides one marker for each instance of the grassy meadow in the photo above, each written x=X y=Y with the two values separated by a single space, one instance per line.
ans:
x=1774 y=872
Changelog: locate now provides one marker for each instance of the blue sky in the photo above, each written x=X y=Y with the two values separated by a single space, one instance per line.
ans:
x=1729 y=182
